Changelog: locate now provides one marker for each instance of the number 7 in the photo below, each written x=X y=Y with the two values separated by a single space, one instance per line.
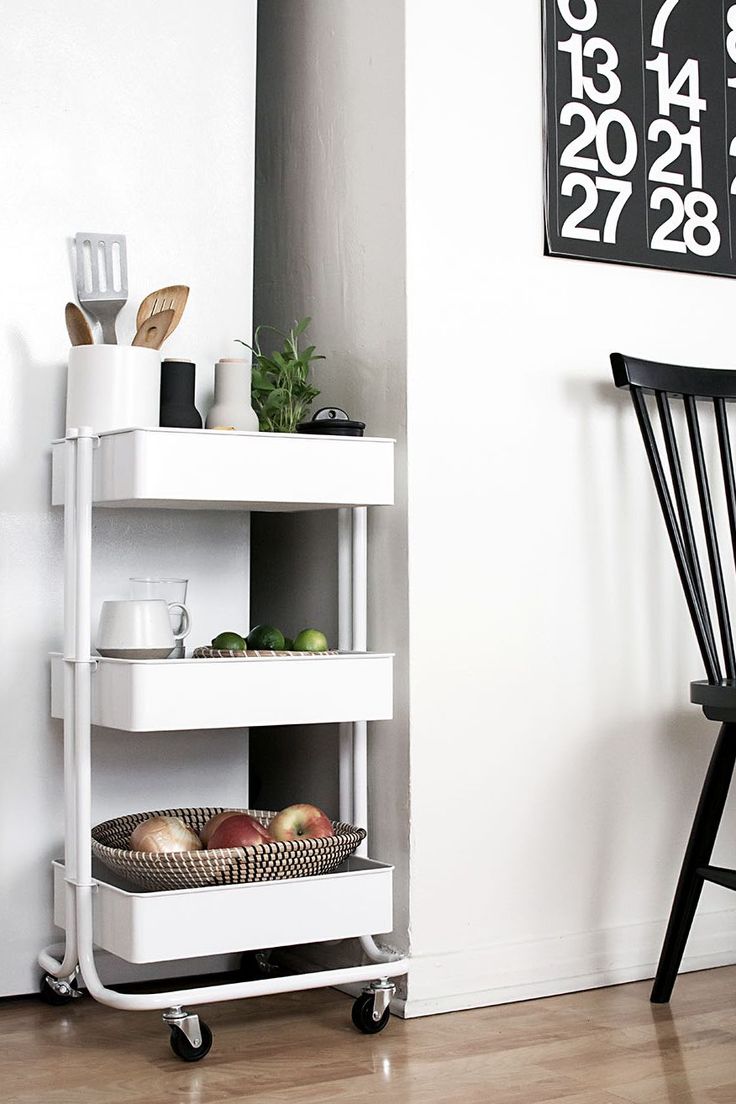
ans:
x=622 y=190
x=660 y=23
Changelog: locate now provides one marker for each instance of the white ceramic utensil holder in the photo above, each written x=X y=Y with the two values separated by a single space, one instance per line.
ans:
x=113 y=387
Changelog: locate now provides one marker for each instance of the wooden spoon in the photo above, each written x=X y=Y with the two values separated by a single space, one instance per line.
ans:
x=77 y=326
x=172 y=298
x=153 y=331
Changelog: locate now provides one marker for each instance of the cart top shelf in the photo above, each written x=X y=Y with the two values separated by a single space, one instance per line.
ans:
x=226 y=470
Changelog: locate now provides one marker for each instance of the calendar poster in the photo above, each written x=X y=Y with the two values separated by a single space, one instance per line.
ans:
x=640 y=117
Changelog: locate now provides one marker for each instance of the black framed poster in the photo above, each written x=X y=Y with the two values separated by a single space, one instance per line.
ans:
x=640 y=114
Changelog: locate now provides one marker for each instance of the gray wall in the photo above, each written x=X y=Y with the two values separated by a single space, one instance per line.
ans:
x=330 y=225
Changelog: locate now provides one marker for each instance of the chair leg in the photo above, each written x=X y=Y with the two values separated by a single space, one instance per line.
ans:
x=699 y=849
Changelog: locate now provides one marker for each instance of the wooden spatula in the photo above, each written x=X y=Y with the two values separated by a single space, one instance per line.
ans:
x=153 y=331
x=172 y=298
x=77 y=326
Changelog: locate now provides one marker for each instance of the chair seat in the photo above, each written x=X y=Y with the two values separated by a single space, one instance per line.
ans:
x=718 y=699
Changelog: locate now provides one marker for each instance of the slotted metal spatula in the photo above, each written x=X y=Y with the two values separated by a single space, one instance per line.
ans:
x=102 y=279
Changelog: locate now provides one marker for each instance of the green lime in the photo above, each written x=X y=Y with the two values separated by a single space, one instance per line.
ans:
x=288 y=644
x=265 y=638
x=229 y=641
x=310 y=640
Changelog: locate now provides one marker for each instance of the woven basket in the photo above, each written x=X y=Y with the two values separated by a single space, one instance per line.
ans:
x=263 y=862
x=231 y=653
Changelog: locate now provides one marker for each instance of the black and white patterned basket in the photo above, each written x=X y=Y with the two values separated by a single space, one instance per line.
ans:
x=264 y=862
x=264 y=653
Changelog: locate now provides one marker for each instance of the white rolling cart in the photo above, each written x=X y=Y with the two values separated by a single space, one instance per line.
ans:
x=190 y=469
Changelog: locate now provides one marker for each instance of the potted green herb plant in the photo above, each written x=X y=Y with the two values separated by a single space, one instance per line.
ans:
x=281 y=389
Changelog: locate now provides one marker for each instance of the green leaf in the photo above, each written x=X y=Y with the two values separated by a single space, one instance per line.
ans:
x=281 y=390
x=270 y=371
x=270 y=329
x=278 y=397
x=259 y=382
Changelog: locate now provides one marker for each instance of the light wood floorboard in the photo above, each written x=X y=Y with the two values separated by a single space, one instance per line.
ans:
x=607 y=1046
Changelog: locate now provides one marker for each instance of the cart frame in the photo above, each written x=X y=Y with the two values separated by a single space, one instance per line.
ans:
x=79 y=665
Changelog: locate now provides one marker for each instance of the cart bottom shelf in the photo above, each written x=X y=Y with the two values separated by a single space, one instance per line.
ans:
x=154 y=926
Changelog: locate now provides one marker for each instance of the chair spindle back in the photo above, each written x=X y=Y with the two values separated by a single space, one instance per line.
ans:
x=714 y=388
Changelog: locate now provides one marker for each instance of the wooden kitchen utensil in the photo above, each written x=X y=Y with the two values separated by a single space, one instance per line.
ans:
x=169 y=298
x=77 y=326
x=153 y=331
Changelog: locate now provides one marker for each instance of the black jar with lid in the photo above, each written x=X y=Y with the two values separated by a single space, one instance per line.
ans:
x=177 y=395
x=332 y=421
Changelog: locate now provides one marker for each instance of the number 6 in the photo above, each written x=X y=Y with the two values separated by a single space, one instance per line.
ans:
x=579 y=22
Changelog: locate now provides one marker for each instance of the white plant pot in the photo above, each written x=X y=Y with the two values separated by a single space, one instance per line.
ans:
x=113 y=387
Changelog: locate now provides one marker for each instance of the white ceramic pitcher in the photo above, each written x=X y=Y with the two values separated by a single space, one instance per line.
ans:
x=139 y=628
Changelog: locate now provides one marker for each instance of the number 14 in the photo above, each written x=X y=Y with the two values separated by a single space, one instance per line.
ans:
x=670 y=93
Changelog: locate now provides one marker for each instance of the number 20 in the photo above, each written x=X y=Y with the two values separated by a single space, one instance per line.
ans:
x=597 y=130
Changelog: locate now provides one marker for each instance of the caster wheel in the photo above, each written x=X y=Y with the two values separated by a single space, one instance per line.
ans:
x=50 y=995
x=363 y=1015
x=183 y=1049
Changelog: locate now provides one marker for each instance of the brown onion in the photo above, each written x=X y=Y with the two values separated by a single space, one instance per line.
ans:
x=164 y=834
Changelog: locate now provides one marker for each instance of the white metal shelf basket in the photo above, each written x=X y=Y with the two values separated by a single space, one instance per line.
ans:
x=210 y=469
x=174 y=695
x=161 y=926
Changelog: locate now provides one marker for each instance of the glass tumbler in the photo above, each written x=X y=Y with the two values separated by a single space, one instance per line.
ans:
x=171 y=590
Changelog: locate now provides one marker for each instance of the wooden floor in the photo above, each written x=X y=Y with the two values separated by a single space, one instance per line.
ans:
x=607 y=1046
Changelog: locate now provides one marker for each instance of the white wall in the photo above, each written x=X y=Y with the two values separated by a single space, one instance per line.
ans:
x=329 y=243
x=555 y=760
x=554 y=757
x=115 y=117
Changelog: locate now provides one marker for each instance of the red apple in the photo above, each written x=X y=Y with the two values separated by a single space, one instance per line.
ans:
x=214 y=822
x=300 y=822
x=240 y=830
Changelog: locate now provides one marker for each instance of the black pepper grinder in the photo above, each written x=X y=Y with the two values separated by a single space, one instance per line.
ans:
x=177 y=395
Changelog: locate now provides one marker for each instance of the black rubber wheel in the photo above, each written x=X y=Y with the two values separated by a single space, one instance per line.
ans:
x=363 y=1015
x=183 y=1049
x=49 y=995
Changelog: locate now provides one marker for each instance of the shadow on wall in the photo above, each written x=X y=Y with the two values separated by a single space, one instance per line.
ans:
x=294 y=589
x=629 y=573
x=634 y=598
x=29 y=424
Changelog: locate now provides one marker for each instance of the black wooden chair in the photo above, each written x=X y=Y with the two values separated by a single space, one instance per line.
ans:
x=717 y=695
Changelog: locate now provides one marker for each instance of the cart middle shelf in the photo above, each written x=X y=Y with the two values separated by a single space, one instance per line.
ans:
x=181 y=694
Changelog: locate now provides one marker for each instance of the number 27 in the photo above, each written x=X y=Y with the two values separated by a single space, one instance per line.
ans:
x=622 y=193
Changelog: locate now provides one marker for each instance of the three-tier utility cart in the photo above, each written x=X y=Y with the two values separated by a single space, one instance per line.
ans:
x=190 y=469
